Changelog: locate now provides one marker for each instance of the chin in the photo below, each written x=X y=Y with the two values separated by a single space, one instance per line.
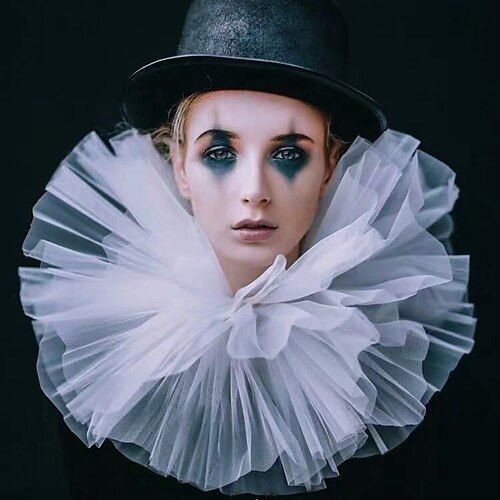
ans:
x=254 y=254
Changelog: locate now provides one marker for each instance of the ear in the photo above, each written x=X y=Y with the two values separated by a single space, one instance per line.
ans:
x=332 y=161
x=177 y=159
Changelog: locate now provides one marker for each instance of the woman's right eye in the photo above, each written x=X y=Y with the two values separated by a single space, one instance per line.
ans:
x=219 y=153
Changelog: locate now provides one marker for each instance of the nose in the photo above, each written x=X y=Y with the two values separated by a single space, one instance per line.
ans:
x=255 y=186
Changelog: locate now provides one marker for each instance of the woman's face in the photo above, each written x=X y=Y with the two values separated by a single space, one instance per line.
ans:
x=253 y=155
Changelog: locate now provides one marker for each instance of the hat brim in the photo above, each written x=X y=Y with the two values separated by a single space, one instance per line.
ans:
x=151 y=92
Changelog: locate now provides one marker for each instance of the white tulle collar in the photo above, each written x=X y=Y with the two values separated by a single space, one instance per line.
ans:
x=301 y=369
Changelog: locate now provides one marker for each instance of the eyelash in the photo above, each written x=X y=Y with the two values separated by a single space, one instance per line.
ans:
x=295 y=149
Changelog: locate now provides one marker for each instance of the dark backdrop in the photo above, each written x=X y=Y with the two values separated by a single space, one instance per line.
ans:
x=430 y=63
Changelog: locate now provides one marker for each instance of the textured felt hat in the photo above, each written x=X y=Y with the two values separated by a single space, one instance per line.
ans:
x=297 y=48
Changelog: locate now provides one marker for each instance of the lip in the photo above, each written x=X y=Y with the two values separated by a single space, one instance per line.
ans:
x=260 y=234
x=259 y=222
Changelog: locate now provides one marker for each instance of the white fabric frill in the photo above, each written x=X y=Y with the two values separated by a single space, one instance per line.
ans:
x=266 y=391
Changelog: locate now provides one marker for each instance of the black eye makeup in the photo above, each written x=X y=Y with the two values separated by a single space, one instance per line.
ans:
x=220 y=157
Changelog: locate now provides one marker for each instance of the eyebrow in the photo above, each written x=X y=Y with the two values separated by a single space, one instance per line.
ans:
x=278 y=138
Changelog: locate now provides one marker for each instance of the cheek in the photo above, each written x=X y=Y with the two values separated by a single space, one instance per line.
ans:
x=305 y=210
x=205 y=200
x=297 y=214
x=203 y=190
x=209 y=203
x=304 y=197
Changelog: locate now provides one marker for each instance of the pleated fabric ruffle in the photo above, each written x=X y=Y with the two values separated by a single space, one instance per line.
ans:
x=141 y=341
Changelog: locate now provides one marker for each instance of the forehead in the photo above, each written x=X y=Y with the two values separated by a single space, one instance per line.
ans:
x=253 y=114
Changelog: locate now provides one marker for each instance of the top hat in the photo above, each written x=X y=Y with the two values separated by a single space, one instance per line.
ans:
x=296 y=48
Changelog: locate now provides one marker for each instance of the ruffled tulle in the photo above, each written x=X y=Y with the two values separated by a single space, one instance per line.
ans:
x=141 y=341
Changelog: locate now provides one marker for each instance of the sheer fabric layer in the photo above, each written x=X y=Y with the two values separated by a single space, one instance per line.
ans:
x=269 y=390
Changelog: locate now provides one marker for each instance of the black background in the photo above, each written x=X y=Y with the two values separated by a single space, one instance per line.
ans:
x=431 y=64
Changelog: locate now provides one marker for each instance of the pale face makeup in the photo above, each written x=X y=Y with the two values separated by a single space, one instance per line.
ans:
x=254 y=155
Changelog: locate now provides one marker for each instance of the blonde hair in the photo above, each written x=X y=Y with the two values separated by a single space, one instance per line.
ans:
x=172 y=133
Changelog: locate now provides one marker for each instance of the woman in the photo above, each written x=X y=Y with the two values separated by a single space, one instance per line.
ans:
x=248 y=360
x=284 y=197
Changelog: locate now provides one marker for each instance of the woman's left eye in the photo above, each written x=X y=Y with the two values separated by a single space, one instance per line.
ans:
x=289 y=154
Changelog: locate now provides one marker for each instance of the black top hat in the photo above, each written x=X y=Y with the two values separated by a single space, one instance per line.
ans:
x=297 y=48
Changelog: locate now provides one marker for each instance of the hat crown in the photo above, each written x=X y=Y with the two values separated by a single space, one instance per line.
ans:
x=296 y=48
x=309 y=33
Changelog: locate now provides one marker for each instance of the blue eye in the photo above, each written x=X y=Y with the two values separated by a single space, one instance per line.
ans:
x=290 y=154
x=219 y=154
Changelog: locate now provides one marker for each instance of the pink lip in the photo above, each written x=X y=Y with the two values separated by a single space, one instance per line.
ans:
x=257 y=234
